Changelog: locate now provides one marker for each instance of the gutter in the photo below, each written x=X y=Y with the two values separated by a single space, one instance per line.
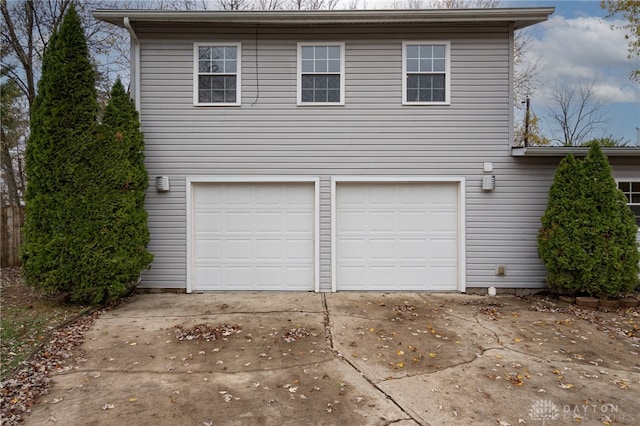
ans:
x=521 y=17
x=561 y=151
x=136 y=62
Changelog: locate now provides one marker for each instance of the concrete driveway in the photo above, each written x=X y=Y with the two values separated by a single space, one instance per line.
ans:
x=349 y=359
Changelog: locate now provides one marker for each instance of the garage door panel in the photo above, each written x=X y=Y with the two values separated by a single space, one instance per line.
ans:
x=236 y=249
x=294 y=277
x=413 y=249
x=443 y=222
x=268 y=249
x=442 y=276
x=413 y=222
x=381 y=275
x=236 y=221
x=207 y=249
x=395 y=234
x=352 y=249
x=381 y=249
x=207 y=222
x=297 y=222
x=413 y=275
x=381 y=221
x=267 y=222
x=443 y=249
x=268 y=274
x=248 y=235
x=298 y=250
x=238 y=277
x=209 y=275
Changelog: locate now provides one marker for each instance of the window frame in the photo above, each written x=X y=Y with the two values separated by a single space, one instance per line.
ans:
x=299 y=73
x=629 y=194
x=196 y=73
x=447 y=71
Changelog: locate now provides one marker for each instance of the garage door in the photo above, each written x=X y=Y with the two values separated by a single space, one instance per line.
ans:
x=396 y=236
x=253 y=236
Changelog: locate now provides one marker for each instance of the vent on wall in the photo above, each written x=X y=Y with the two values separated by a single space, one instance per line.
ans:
x=162 y=183
x=488 y=183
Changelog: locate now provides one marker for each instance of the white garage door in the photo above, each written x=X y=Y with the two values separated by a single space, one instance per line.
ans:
x=253 y=236
x=396 y=236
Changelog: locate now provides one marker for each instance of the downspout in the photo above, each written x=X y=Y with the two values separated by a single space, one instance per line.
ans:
x=135 y=53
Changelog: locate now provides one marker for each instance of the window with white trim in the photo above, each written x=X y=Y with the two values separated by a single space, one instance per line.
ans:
x=426 y=73
x=320 y=73
x=216 y=74
x=631 y=190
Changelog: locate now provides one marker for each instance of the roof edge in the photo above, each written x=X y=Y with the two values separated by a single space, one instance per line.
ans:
x=562 y=151
x=521 y=17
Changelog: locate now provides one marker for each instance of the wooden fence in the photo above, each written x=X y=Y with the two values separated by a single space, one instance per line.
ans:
x=11 y=221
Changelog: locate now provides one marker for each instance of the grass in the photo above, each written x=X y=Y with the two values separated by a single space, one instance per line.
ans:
x=27 y=318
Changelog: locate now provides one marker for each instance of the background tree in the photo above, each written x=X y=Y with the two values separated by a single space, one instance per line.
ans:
x=576 y=113
x=13 y=132
x=630 y=10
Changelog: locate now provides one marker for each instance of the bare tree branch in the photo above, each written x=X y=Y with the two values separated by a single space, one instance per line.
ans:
x=577 y=114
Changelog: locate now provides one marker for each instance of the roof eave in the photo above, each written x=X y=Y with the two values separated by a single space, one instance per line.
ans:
x=562 y=151
x=521 y=17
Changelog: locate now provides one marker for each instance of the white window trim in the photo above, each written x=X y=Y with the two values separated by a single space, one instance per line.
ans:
x=191 y=180
x=342 y=74
x=629 y=180
x=461 y=183
x=196 y=55
x=447 y=72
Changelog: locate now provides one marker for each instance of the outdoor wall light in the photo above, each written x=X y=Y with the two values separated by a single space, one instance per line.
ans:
x=162 y=183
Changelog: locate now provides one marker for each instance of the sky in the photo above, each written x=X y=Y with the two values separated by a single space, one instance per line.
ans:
x=577 y=45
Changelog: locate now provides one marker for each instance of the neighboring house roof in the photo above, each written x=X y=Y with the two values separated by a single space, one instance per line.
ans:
x=520 y=17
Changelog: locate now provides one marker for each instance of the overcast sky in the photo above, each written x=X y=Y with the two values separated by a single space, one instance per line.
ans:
x=577 y=44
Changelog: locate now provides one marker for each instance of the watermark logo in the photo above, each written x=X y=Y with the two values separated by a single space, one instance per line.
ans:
x=547 y=411
x=544 y=410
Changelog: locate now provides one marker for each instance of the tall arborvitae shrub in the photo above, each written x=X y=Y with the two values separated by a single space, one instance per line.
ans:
x=610 y=237
x=587 y=241
x=63 y=125
x=565 y=216
x=117 y=211
x=85 y=230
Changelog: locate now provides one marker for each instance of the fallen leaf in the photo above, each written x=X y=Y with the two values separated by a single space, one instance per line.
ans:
x=567 y=386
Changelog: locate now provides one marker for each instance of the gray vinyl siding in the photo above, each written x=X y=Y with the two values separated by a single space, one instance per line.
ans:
x=373 y=134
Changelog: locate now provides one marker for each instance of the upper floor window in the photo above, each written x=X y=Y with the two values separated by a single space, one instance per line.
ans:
x=631 y=190
x=217 y=74
x=425 y=73
x=320 y=74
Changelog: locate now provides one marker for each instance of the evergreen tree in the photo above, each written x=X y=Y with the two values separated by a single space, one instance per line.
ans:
x=587 y=241
x=85 y=224
x=62 y=126
x=117 y=211
x=558 y=243
x=610 y=237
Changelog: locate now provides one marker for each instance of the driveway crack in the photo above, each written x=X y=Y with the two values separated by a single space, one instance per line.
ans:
x=334 y=349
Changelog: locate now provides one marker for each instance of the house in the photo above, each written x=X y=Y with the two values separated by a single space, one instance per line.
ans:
x=338 y=150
